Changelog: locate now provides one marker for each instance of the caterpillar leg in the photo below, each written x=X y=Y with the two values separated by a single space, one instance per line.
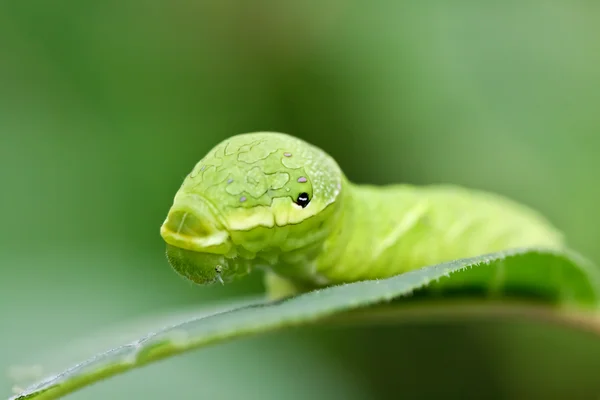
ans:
x=279 y=287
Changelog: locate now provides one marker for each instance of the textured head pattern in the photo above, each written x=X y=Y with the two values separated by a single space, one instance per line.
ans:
x=259 y=196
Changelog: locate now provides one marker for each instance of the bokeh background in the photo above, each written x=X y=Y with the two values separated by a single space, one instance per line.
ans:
x=105 y=106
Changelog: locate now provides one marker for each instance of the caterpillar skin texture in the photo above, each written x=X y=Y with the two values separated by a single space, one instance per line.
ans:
x=272 y=201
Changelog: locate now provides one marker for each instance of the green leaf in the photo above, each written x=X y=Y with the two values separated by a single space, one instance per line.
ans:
x=534 y=283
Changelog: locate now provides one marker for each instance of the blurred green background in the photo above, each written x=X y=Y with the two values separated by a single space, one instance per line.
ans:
x=105 y=107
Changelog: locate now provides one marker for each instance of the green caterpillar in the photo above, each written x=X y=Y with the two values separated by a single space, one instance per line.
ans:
x=272 y=201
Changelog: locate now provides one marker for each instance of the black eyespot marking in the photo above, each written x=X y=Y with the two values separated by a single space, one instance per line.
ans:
x=218 y=269
x=303 y=200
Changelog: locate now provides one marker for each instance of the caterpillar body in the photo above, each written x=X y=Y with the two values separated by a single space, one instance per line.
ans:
x=272 y=201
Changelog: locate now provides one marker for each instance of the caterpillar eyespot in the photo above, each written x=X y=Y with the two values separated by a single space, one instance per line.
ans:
x=235 y=217
x=303 y=200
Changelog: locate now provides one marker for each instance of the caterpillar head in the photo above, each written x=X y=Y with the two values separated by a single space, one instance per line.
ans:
x=256 y=199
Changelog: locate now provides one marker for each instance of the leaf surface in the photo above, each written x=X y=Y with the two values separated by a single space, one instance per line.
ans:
x=549 y=285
